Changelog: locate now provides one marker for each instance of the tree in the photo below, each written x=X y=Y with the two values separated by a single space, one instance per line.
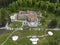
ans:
x=42 y=21
x=58 y=11
x=41 y=4
x=4 y=3
x=30 y=3
x=51 y=7
x=4 y=17
x=53 y=1
x=19 y=2
x=52 y=24
x=58 y=25
x=12 y=7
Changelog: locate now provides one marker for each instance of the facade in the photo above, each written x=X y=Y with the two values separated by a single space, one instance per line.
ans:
x=28 y=18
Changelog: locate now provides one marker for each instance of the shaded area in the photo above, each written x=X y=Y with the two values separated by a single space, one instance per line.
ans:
x=2 y=25
x=2 y=31
x=4 y=3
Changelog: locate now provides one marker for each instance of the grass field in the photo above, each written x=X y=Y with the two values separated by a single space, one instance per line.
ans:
x=16 y=24
x=23 y=40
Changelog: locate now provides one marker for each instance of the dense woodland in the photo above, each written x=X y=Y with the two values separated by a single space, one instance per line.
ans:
x=10 y=6
x=4 y=3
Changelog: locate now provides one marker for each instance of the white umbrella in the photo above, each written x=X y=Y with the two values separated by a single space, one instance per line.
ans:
x=12 y=17
x=50 y=33
x=34 y=40
x=15 y=38
x=34 y=43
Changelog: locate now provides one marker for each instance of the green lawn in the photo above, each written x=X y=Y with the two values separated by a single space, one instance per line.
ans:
x=16 y=24
x=23 y=40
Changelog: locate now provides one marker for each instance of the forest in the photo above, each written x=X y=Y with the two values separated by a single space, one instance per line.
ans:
x=11 y=6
